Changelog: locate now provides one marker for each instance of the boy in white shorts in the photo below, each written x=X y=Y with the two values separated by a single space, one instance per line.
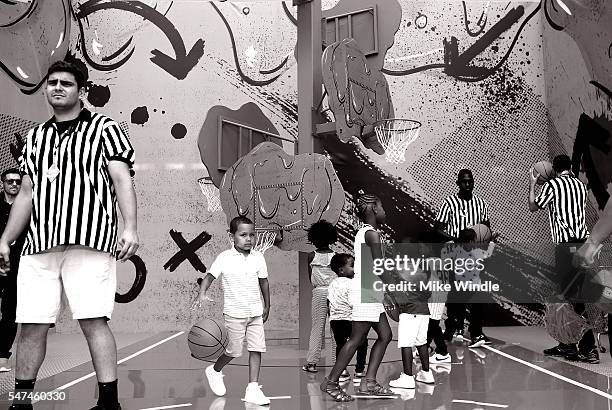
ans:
x=244 y=276
x=437 y=303
x=413 y=324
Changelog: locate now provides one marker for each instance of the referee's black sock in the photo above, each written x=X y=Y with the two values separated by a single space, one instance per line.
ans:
x=108 y=397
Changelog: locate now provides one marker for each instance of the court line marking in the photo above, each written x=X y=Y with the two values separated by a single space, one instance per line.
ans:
x=480 y=403
x=146 y=349
x=271 y=398
x=550 y=373
x=154 y=345
x=172 y=406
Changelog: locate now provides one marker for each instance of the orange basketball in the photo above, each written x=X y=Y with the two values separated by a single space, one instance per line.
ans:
x=546 y=171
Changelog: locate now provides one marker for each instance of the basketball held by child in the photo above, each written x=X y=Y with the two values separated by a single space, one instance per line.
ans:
x=483 y=233
x=544 y=170
x=207 y=339
x=391 y=307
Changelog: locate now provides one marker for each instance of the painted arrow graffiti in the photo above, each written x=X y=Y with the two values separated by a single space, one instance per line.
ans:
x=178 y=66
x=459 y=65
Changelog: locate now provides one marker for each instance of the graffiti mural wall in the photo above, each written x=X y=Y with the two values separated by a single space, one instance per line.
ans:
x=497 y=86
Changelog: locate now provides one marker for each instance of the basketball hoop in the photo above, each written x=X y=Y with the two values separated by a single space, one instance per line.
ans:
x=211 y=193
x=395 y=134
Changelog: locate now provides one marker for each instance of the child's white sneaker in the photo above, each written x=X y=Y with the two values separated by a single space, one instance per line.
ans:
x=440 y=358
x=344 y=376
x=253 y=394
x=403 y=382
x=215 y=380
x=425 y=377
x=358 y=376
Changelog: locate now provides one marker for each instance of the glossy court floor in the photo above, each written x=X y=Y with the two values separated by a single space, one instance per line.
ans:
x=156 y=372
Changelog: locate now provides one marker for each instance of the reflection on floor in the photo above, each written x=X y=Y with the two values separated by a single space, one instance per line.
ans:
x=165 y=376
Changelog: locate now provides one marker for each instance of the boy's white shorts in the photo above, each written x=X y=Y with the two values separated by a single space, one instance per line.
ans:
x=412 y=330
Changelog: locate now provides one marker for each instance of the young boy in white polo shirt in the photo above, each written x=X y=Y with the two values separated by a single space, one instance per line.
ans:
x=244 y=275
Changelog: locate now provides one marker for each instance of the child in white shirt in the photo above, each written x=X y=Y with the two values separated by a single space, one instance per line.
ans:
x=244 y=275
x=341 y=308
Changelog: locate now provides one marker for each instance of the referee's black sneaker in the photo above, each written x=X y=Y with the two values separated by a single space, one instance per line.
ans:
x=591 y=357
x=561 y=350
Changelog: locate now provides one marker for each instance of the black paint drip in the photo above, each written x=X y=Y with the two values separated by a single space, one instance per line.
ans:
x=98 y=95
x=140 y=115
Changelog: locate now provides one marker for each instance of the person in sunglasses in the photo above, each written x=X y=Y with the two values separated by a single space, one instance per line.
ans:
x=11 y=184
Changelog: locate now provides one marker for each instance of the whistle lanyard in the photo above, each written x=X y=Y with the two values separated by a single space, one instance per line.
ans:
x=54 y=170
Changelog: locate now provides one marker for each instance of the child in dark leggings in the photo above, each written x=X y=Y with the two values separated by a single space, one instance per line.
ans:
x=340 y=309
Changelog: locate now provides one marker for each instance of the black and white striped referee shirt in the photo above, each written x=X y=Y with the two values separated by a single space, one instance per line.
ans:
x=78 y=206
x=459 y=214
x=566 y=197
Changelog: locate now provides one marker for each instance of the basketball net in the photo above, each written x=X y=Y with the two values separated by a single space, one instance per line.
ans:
x=395 y=134
x=211 y=193
x=264 y=240
x=564 y=324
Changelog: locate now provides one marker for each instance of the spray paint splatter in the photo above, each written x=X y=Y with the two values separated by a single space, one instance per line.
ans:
x=98 y=95
x=140 y=115
x=178 y=131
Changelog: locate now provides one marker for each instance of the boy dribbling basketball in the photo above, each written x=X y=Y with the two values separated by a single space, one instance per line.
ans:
x=244 y=276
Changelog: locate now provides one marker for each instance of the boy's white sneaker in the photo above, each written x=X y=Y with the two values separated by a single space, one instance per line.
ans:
x=253 y=394
x=215 y=380
x=425 y=377
x=403 y=382
x=440 y=358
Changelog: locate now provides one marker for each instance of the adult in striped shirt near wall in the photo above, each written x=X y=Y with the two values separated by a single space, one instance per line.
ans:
x=463 y=209
x=76 y=167
x=566 y=198
x=458 y=212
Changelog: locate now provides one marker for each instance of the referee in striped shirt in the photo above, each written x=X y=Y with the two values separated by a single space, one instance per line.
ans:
x=458 y=212
x=566 y=198
x=463 y=209
x=76 y=168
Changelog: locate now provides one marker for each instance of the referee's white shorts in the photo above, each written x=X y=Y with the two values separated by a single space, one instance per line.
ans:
x=87 y=276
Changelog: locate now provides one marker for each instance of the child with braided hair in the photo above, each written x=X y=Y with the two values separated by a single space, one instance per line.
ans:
x=368 y=311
